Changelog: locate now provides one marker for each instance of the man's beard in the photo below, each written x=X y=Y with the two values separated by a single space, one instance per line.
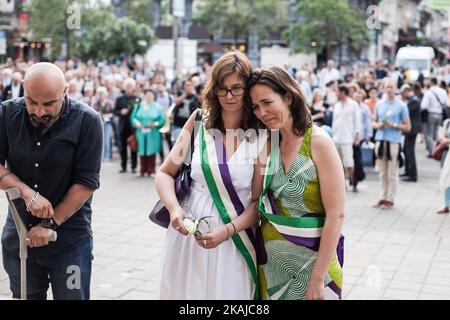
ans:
x=42 y=123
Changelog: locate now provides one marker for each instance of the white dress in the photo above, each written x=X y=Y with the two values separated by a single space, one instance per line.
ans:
x=188 y=271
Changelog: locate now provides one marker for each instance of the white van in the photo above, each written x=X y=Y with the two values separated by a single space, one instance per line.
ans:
x=416 y=59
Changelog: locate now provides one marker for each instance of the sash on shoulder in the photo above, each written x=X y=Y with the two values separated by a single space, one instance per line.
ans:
x=217 y=175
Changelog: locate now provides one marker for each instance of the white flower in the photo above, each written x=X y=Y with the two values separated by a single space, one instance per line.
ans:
x=190 y=225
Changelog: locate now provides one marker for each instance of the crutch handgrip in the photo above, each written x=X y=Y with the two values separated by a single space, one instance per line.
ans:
x=53 y=237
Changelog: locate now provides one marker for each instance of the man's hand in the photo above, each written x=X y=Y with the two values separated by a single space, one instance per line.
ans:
x=124 y=111
x=446 y=141
x=391 y=125
x=38 y=236
x=41 y=207
x=378 y=125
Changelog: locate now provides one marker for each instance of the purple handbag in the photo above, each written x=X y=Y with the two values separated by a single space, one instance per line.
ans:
x=160 y=215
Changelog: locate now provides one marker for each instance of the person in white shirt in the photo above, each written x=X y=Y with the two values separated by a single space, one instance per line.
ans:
x=14 y=89
x=330 y=73
x=302 y=79
x=346 y=128
x=434 y=101
x=6 y=77
x=16 y=85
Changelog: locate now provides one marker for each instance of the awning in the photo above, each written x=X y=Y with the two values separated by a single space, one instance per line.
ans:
x=209 y=47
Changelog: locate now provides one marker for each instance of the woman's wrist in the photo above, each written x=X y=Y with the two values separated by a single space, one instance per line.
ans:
x=174 y=208
x=317 y=278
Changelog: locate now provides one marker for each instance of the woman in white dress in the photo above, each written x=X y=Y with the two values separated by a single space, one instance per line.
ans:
x=227 y=180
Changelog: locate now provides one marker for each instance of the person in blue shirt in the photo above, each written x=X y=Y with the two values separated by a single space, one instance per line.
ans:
x=391 y=119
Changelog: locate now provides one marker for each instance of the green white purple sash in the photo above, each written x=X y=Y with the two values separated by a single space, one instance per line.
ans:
x=305 y=231
x=217 y=175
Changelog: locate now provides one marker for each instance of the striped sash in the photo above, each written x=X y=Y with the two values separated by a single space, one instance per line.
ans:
x=217 y=175
x=305 y=231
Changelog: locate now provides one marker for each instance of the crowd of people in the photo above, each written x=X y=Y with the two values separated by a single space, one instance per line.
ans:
x=381 y=108
x=265 y=198
x=132 y=99
x=342 y=101
x=143 y=111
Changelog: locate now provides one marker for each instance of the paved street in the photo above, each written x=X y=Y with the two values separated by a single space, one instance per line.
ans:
x=398 y=254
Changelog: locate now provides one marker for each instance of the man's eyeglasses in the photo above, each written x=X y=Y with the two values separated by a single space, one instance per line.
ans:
x=236 y=91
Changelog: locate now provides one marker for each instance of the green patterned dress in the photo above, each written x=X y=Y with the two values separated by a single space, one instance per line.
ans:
x=292 y=229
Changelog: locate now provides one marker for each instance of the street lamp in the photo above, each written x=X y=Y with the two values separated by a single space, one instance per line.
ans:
x=178 y=13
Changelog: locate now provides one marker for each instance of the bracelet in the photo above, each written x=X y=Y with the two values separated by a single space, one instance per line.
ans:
x=234 y=227
x=33 y=199
x=228 y=231
x=3 y=176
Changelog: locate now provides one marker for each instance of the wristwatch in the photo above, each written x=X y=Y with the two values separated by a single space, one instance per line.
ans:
x=49 y=223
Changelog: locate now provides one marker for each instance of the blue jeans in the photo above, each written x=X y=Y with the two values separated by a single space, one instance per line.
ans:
x=69 y=273
x=107 y=131
x=447 y=197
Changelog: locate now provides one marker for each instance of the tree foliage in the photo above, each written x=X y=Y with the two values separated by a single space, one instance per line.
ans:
x=114 y=37
x=327 y=23
x=100 y=35
x=237 y=18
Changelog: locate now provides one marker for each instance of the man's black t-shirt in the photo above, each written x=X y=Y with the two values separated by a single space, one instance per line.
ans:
x=125 y=102
x=184 y=110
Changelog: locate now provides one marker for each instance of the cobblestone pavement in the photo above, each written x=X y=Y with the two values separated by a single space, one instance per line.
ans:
x=402 y=253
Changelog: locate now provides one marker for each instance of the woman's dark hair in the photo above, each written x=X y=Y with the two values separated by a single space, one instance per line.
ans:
x=150 y=90
x=345 y=89
x=417 y=88
x=226 y=65
x=282 y=83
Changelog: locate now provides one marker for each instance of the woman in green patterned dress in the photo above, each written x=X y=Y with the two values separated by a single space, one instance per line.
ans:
x=302 y=205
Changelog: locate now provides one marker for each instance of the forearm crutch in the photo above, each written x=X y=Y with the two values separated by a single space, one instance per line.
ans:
x=13 y=195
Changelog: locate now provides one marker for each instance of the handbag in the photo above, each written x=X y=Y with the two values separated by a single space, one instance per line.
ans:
x=400 y=156
x=367 y=154
x=424 y=115
x=132 y=143
x=438 y=150
x=160 y=215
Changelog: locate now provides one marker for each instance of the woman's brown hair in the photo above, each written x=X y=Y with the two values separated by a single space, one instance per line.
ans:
x=227 y=64
x=282 y=83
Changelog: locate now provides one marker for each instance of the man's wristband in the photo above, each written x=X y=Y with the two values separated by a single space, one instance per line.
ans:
x=33 y=199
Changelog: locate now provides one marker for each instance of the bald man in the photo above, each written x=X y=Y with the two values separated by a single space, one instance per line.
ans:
x=52 y=148
x=14 y=89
